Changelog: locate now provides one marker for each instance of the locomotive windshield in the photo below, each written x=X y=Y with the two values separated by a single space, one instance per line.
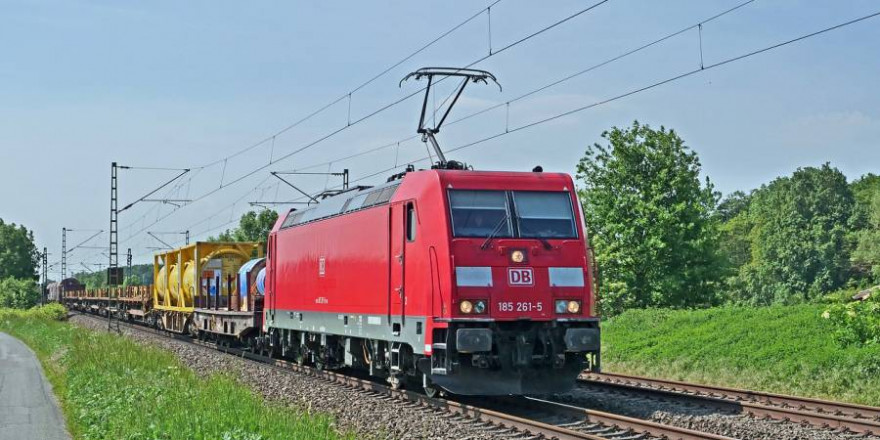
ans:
x=478 y=213
x=522 y=214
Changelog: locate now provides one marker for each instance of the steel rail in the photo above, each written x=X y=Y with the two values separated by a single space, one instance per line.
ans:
x=861 y=419
x=638 y=426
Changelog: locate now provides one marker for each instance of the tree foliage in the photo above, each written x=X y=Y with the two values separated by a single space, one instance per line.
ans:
x=797 y=233
x=18 y=293
x=866 y=255
x=732 y=205
x=18 y=254
x=651 y=220
x=252 y=226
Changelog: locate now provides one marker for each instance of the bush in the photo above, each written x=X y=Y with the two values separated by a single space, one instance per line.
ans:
x=856 y=323
x=50 y=312
x=18 y=294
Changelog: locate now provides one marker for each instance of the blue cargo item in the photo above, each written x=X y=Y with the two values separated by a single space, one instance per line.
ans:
x=243 y=275
x=261 y=281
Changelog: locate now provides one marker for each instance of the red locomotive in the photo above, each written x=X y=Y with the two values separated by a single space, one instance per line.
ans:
x=476 y=282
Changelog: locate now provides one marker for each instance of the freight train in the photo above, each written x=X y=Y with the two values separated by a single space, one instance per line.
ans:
x=461 y=281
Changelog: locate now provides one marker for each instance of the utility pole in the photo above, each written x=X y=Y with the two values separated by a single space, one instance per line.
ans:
x=112 y=269
x=45 y=282
x=114 y=274
x=63 y=254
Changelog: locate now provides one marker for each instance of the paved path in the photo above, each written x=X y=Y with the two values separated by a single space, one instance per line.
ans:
x=28 y=409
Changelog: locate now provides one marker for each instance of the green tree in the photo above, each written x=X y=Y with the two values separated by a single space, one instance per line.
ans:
x=735 y=243
x=252 y=226
x=651 y=220
x=732 y=205
x=18 y=254
x=798 y=235
x=18 y=293
x=865 y=229
x=864 y=189
x=866 y=255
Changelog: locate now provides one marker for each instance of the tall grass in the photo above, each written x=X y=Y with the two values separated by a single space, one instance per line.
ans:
x=113 y=388
x=784 y=349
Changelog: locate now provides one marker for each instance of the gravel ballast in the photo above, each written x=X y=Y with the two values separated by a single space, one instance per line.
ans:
x=676 y=413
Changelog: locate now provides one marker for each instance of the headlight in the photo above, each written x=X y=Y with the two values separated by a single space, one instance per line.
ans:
x=466 y=307
x=480 y=307
x=564 y=306
x=517 y=256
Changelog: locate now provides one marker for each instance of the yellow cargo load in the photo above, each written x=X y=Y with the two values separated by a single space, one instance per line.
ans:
x=209 y=273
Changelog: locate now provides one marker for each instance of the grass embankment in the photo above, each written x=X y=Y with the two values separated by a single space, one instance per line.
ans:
x=113 y=388
x=778 y=349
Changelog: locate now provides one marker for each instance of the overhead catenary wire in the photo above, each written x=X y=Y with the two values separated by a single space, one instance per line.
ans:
x=404 y=98
x=371 y=114
x=669 y=80
x=648 y=87
x=644 y=88
x=348 y=94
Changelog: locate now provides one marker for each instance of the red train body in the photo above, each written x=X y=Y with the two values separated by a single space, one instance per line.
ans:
x=470 y=281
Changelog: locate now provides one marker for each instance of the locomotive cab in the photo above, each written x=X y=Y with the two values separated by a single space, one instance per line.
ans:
x=521 y=318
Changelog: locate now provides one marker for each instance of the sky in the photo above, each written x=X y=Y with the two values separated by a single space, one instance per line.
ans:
x=167 y=84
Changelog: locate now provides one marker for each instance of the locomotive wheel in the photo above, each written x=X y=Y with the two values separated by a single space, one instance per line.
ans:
x=395 y=382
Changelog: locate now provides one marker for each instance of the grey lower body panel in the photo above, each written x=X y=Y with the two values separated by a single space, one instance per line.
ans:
x=409 y=330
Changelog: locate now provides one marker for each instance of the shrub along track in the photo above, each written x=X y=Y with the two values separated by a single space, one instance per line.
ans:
x=840 y=417
x=513 y=418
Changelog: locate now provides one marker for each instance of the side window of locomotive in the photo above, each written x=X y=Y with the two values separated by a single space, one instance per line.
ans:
x=479 y=213
x=292 y=219
x=386 y=195
x=372 y=198
x=411 y=221
x=543 y=214
x=356 y=202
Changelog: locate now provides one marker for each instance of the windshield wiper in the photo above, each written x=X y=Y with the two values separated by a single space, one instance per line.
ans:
x=495 y=231
x=545 y=242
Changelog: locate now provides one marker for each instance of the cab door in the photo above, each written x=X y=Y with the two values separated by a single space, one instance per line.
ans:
x=397 y=266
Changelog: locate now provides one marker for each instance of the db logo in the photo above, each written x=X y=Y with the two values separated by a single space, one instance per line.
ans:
x=518 y=276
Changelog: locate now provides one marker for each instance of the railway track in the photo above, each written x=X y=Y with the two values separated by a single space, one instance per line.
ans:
x=844 y=417
x=528 y=418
